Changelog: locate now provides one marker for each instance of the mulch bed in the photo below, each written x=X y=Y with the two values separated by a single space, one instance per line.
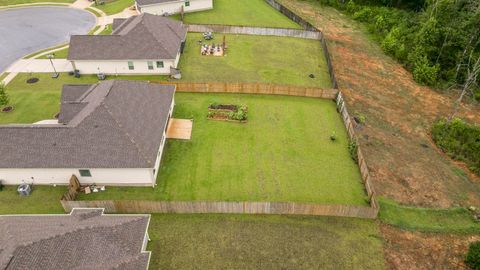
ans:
x=32 y=80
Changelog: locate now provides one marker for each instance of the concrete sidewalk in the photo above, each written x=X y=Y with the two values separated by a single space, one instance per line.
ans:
x=125 y=14
x=81 y=4
x=40 y=65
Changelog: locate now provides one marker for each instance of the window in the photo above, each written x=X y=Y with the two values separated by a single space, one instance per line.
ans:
x=150 y=65
x=130 y=65
x=159 y=64
x=85 y=173
x=187 y=3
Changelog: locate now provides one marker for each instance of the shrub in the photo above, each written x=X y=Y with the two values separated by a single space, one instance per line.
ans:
x=473 y=256
x=425 y=73
x=4 y=98
x=459 y=140
x=391 y=42
x=363 y=14
x=333 y=137
x=353 y=149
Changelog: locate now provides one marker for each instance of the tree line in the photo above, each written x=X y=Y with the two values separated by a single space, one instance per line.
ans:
x=437 y=40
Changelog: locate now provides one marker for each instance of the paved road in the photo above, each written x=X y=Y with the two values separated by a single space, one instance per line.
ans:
x=27 y=30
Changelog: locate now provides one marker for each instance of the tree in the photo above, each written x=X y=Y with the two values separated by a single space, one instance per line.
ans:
x=473 y=256
x=469 y=85
x=4 y=98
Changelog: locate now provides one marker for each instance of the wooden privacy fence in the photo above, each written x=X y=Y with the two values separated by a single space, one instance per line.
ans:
x=308 y=28
x=258 y=31
x=196 y=207
x=347 y=120
x=252 y=88
x=292 y=15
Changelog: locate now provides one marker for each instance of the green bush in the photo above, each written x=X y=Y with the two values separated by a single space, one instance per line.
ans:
x=473 y=256
x=353 y=149
x=459 y=140
x=363 y=14
x=424 y=72
x=4 y=98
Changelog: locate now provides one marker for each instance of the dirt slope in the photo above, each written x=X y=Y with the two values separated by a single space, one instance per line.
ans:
x=406 y=165
x=413 y=250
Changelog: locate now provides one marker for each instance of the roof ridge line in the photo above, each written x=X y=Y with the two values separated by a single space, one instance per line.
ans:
x=126 y=134
x=84 y=95
x=160 y=41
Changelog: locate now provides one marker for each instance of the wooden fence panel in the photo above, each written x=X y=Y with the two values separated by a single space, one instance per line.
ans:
x=252 y=88
x=193 y=207
x=258 y=31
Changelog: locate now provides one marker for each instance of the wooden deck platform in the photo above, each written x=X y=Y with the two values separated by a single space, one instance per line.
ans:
x=179 y=129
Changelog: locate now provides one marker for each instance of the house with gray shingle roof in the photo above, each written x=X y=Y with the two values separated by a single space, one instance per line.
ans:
x=110 y=133
x=143 y=44
x=167 y=7
x=83 y=239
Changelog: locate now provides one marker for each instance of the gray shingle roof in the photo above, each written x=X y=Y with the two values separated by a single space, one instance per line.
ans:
x=85 y=239
x=113 y=124
x=141 y=37
x=151 y=2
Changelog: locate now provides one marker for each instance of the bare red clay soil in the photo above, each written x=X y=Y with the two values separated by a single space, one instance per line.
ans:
x=414 y=250
x=405 y=164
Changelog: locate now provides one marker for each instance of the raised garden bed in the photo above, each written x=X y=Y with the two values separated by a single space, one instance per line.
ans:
x=228 y=112
x=7 y=109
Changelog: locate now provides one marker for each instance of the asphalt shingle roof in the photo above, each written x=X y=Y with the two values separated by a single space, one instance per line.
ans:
x=141 y=37
x=85 y=239
x=113 y=124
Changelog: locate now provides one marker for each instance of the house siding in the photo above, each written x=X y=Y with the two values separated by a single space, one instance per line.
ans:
x=175 y=7
x=118 y=177
x=121 y=66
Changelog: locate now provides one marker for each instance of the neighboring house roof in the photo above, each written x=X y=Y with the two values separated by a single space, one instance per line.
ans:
x=152 y=2
x=141 y=37
x=83 y=239
x=113 y=124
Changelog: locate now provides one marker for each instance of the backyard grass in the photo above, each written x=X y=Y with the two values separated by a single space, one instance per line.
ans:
x=245 y=12
x=41 y=100
x=453 y=220
x=17 y=2
x=115 y=6
x=43 y=200
x=283 y=153
x=280 y=60
x=263 y=242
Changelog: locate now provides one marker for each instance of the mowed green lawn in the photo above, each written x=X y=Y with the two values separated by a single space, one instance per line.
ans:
x=283 y=153
x=114 y=6
x=43 y=200
x=280 y=60
x=244 y=12
x=41 y=100
x=263 y=242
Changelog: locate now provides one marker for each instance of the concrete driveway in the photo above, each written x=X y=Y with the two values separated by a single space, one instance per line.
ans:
x=29 y=29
